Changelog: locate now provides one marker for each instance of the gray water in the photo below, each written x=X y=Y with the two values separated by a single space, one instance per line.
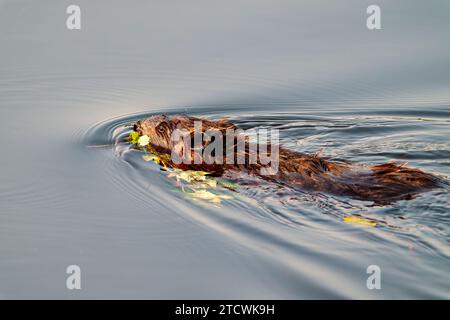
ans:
x=72 y=193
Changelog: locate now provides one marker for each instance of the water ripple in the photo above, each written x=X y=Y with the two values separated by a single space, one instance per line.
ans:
x=282 y=220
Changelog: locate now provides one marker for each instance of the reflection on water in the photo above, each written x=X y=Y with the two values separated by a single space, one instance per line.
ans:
x=72 y=193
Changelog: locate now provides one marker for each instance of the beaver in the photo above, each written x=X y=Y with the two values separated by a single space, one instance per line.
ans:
x=382 y=183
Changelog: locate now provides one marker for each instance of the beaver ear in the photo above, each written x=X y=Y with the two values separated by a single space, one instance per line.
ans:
x=224 y=124
x=173 y=124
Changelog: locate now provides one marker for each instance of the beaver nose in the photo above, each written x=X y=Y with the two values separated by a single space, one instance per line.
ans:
x=136 y=126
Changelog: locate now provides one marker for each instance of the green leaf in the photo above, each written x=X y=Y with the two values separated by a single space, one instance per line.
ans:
x=227 y=183
x=134 y=136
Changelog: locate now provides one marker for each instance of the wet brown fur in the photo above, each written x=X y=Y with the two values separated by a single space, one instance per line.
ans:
x=382 y=184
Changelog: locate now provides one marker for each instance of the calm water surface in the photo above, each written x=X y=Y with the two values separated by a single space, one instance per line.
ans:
x=72 y=192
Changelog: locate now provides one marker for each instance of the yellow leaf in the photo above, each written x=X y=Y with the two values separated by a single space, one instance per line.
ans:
x=358 y=220
x=151 y=157
x=208 y=196
x=209 y=183
x=205 y=195
x=189 y=175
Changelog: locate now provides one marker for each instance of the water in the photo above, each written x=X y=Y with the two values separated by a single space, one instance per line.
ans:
x=70 y=193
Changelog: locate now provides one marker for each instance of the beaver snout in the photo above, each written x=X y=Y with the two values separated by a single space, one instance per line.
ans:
x=137 y=126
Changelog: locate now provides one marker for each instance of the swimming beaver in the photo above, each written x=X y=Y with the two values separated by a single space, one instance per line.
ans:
x=382 y=184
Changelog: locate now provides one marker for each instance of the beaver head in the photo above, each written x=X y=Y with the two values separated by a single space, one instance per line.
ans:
x=158 y=129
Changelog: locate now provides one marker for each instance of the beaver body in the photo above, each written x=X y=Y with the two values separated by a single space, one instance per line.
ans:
x=382 y=184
